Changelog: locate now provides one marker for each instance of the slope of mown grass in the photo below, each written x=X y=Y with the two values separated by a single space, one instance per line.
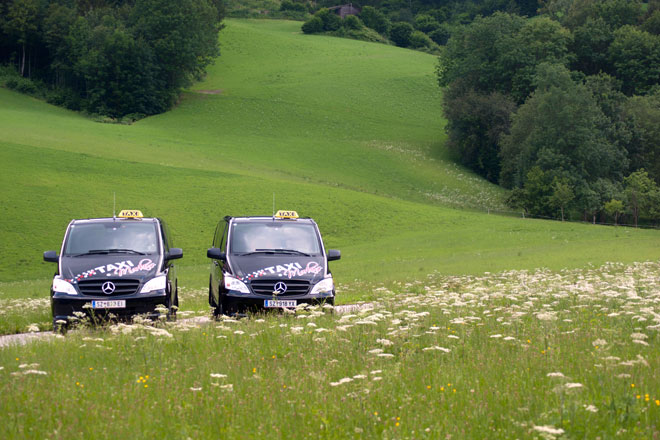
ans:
x=344 y=131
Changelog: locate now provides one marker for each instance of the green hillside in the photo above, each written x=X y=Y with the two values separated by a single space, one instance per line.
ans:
x=347 y=132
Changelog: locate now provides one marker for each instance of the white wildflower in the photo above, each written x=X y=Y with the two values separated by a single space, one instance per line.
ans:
x=384 y=342
x=573 y=385
x=437 y=348
x=556 y=374
x=341 y=381
x=376 y=351
x=38 y=372
x=639 y=336
x=591 y=408
x=386 y=355
x=218 y=375
x=599 y=343
x=496 y=336
x=549 y=430
x=640 y=342
x=195 y=389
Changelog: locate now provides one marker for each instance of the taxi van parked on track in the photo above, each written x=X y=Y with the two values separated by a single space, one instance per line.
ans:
x=114 y=267
x=269 y=263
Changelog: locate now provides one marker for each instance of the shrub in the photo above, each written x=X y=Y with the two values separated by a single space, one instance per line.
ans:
x=352 y=22
x=441 y=35
x=313 y=26
x=331 y=21
x=400 y=33
x=288 y=5
x=426 y=23
x=419 y=39
x=22 y=85
x=376 y=20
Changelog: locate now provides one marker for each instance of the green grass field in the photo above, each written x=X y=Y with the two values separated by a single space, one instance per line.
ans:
x=478 y=325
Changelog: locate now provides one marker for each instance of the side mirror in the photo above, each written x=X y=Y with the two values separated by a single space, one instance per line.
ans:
x=51 y=257
x=333 y=254
x=216 y=254
x=174 y=254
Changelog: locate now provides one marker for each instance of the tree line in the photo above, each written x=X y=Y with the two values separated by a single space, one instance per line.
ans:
x=109 y=57
x=421 y=24
x=562 y=107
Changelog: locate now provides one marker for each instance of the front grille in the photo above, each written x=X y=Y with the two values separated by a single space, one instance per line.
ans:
x=95 y=287
x=293 y=287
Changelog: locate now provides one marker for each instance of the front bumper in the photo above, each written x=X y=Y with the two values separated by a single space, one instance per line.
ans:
x=239 y=302
x=65 y=306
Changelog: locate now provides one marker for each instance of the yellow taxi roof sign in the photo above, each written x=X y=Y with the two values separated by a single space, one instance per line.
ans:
x=286 y=214
x=130 y=213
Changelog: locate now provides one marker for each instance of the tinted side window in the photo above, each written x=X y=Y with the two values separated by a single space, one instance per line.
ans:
x=167 y=237
x=223 y=243
x=217 y=238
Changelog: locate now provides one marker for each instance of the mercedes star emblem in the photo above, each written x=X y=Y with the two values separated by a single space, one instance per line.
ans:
x=280 y=288
x=109 y=287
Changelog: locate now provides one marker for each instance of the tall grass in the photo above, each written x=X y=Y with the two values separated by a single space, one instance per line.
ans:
x=509 y=355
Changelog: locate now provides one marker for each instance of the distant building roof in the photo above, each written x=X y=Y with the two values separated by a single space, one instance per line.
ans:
x=344 y=10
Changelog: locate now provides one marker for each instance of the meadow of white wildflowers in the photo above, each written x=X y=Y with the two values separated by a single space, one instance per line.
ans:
x=543 y=354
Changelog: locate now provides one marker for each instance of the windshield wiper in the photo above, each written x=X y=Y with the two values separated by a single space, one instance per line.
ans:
x=125 y=251
x=109 y=251
x=283 y=251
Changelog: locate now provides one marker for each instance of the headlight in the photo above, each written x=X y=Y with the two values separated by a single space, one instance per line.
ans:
x=235 y=284
x=158 y=283
x=61 y=286
x=325 y=286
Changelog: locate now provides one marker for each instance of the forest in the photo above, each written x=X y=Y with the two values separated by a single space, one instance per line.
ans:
x=562 y=108
x=118 y=58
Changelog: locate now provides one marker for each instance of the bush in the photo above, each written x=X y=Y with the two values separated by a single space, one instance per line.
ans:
x=331 y=21
x=419 y=40
x=22 y=85
x=441 y=35
x=400 y=33
x=376 y=20
x=288 y=5
x=426 y=23
x=313 y=26
x=64 y=97
x=352 y=22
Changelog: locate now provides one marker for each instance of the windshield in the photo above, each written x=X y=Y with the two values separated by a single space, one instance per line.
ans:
x=112 y=237
x=274 y=237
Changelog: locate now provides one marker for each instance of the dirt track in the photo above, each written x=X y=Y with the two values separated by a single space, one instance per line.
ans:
x=24 y=338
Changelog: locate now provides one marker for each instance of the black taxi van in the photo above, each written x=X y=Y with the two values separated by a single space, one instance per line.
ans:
x=269 y=263
x=119 y=266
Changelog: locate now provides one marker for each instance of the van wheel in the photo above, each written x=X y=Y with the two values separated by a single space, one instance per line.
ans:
x=211 y=299
x=59 y=328
x=220 y=309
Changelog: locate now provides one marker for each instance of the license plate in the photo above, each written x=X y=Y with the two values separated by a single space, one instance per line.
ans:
x=109 y=304
x=279 y=303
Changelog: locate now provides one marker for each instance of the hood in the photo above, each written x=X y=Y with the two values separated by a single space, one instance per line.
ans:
x=90 y=267
x=292 y=267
